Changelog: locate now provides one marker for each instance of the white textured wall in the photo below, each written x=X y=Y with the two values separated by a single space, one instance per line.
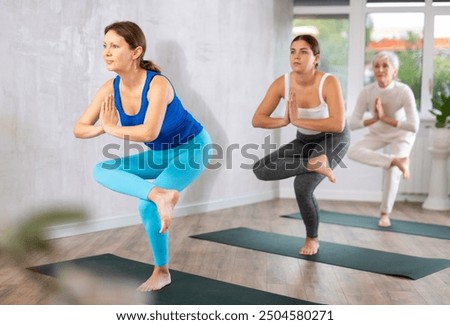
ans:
x=221 y=55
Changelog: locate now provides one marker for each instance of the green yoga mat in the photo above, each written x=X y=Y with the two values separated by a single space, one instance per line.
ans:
x=400 y=226
x=363 y=259
x=185 y=289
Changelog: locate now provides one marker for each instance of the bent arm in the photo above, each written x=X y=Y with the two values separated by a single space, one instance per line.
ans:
x=159 y=96
x=86 y=126
x=336 y=121
x=412 y=116
x=357 y=120
x=262 y=117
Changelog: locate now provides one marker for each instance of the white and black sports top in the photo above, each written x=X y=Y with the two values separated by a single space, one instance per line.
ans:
x=318 y=112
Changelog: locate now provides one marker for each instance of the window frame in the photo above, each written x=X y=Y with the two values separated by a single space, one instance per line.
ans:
x=357 y=11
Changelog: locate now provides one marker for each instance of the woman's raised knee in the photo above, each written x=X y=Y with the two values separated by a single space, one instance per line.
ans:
x=101 y=170
x=260 y=173
x=353 y=153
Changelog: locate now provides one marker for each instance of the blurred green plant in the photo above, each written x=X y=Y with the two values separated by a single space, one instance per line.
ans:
x=72 y=284
x=30 y=235
x=441 y=110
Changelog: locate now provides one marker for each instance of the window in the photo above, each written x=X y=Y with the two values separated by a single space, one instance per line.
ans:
x=395 y=3
x=441 y=55
x=401 y=33
x=417 y=30
x=301 y=3
x=332 y=34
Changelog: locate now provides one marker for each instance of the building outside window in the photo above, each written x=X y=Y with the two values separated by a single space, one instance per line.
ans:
x=418 y=31
x=402 y=33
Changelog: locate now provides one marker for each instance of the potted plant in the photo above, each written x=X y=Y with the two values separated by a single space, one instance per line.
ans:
x=438 y=198
x=440 y=134
x=441 y=109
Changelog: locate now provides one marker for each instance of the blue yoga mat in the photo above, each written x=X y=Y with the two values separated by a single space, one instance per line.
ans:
x=358 y=258
x=368 y=222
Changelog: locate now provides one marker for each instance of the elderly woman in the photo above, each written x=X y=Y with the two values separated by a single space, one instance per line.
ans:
x=393 y=125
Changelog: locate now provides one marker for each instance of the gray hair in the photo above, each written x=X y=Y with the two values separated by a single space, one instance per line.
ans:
x=391 y=56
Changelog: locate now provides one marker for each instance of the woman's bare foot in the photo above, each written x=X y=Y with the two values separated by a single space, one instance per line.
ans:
x=158 y=280
x=403 y=164
x=165 y=201
x=384 y=221
x=320 y=165
x=311 y=246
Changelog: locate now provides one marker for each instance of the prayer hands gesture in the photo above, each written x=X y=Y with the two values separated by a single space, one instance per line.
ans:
x=291 y=111
x=379 y=110
x=378 y=114
x=108 y=112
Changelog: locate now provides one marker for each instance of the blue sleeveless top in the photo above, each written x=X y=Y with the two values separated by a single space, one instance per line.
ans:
x=178 y=127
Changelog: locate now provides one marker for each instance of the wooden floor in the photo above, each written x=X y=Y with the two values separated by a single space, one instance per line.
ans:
x=287 y=276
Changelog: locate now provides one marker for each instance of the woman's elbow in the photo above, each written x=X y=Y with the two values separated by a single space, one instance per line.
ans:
x=77 y=132
x=338 y=127
x=149 y=136
x=411 y=127
x=255 y=122
x=337 y=130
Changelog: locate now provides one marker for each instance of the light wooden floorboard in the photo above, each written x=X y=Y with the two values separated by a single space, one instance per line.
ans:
x=287 y=276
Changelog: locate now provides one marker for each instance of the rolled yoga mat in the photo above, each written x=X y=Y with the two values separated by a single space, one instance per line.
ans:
x=400 y=226
x=185 y=289
x=358 y=258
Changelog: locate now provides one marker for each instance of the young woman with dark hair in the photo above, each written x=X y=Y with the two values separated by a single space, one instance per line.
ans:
x=316 y=107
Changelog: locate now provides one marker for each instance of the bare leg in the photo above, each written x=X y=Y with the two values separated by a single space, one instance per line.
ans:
x=384 y=220
x=320 y=165
x=403 y=164
x=158 y=280
x=165 y=201
x=311 y=246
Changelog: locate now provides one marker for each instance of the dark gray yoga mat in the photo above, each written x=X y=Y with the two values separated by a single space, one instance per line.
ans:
x=358 y=258
x=400 y=226
x=185 y=289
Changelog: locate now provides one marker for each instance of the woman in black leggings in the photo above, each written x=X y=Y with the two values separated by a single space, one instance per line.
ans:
x=316 y=107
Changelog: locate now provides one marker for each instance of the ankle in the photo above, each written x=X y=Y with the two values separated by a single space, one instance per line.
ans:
x=160 y=270
x=157 y=194
x=317 y=162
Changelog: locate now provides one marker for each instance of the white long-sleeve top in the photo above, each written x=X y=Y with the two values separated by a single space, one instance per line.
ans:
x=398 y=102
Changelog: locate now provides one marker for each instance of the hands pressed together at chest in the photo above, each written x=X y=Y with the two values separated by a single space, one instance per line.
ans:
x=108 y=113
x=291 y=113
x=332 y=97
x=379 y=115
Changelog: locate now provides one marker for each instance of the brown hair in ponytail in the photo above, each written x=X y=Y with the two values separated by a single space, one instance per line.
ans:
x=135 y=37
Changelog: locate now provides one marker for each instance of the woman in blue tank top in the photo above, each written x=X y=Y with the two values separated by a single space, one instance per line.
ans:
x=149 y=112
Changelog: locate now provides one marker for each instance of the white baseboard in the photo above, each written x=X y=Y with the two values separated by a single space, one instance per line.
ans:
x=134 y=219
x=88 y=226
x=411 y=197
x=202 y=207
x=365 y=196
x=225 y=203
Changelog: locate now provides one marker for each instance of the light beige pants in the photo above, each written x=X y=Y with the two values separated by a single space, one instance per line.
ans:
x=369 y=151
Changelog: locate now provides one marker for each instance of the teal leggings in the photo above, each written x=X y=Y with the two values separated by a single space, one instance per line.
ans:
x=174 y=168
